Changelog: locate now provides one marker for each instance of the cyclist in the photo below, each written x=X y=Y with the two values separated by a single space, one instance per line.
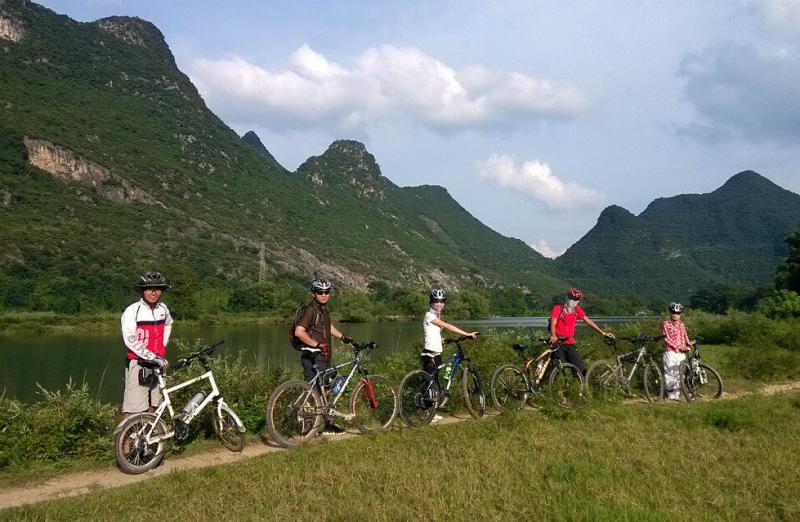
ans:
x=432 y=325
x=563 y=319
x=146 y=327
x=676 y=345
x=315 y=331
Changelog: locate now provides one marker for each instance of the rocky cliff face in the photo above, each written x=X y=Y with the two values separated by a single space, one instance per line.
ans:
x=66 y=166
x=10 y=29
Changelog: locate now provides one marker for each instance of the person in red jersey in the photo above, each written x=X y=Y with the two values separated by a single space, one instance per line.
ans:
x=146 y=327
x=563 y=319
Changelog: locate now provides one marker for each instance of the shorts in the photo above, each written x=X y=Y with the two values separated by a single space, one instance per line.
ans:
x=138 y=398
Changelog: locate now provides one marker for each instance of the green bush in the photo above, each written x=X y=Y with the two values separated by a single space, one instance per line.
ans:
x=780 y=304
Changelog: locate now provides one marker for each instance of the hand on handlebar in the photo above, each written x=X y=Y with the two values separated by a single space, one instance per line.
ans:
x=474 y=335
x=323 y=347
x=162 y=363
x=609 y=335
x=346 y=339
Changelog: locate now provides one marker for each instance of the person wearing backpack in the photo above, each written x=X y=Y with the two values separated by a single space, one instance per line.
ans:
x=313 y=332
x=563 y=319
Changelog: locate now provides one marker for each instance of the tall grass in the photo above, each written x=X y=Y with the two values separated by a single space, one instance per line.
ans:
x=732 y=460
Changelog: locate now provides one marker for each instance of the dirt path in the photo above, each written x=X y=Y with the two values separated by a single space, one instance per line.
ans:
x=73 y=484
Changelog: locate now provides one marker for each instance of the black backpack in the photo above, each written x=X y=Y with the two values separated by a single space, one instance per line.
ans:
x=296 y=343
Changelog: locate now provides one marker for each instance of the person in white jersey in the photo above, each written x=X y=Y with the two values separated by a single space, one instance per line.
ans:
x=432 y=326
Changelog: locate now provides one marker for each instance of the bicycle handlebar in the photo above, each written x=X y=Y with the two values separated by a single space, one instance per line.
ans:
x=642 y=338
x=200 y=354
x=359 y=347
x=459 y=340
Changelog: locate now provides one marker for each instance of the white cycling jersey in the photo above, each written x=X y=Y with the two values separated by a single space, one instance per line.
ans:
x=433 y=333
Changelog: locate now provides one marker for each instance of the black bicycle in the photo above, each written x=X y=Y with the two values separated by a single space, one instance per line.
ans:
x=699 y=380
x=607 y=379
x=297 y=409
x=422 y=393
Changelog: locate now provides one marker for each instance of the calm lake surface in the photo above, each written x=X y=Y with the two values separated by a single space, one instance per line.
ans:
x=51 y=360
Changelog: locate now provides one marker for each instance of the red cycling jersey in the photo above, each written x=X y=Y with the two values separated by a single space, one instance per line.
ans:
x=565 y=323
x=146 y=330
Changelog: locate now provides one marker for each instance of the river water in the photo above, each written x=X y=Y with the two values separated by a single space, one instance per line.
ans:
x=51 y=360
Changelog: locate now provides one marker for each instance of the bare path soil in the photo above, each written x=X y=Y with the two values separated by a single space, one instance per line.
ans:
x=84 y=482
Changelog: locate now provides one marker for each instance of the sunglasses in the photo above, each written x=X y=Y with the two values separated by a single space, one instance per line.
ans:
x=677 y=313
x=322 y=292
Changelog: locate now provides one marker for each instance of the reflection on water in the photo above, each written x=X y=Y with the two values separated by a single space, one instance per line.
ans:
x=97 y=359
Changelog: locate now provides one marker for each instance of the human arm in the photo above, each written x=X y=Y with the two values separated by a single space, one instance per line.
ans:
x=339 y=335
x=453 y=328
x=167 y=326
x=596 y=328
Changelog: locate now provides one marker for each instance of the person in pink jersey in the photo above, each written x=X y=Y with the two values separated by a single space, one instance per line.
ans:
x=146 y=327
x=676 y=346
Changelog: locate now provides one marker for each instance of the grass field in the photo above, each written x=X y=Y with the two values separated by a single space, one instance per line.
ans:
x=725 y=460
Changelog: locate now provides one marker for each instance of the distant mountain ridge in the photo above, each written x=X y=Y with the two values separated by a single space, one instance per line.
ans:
x=680 y=244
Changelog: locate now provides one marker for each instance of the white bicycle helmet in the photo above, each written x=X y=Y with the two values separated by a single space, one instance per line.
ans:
x=320 y=283
x=675 y=308
x=438 y=294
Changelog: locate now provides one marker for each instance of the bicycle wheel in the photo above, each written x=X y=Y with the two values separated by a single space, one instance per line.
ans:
x=227 y=430
x=419 y=396
x=566 y=385
x=693 y=387
x=474 y=397
x=134 y=455
x=509 y=388
x=603 y=382
x=374 y=403
x=653 y=382
x=294 y=413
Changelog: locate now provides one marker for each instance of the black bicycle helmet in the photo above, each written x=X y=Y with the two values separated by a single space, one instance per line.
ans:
x=320 y=283
x=675 y=308
x=152 y=279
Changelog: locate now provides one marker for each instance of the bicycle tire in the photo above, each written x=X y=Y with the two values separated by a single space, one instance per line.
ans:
x=133 y=456
x=227 y=431
x=692 y=389
x=293 y=413
x=509 y=388
x=603 y=381
x=566 y=385
x=374 y=404
x=474 y=398
x=419 y=397
x=653 y=382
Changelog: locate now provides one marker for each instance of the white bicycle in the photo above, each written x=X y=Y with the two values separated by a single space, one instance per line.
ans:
x=141 y=439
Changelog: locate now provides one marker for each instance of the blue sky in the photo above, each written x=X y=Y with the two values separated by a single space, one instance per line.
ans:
x=534 y=114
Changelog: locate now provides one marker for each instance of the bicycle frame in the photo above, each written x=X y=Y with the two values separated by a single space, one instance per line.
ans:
x=328 y=405
x=642 y=351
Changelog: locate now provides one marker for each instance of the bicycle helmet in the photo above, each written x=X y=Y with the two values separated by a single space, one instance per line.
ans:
x=152 y=279
x=675 y=308
x=320 y=283
x=574 y=293
x=438 y=294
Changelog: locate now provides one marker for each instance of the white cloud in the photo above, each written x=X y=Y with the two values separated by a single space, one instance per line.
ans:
x=535 y=179
x=782 y=15
x=544 y=248
x=387 y=83
x=740 y=92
